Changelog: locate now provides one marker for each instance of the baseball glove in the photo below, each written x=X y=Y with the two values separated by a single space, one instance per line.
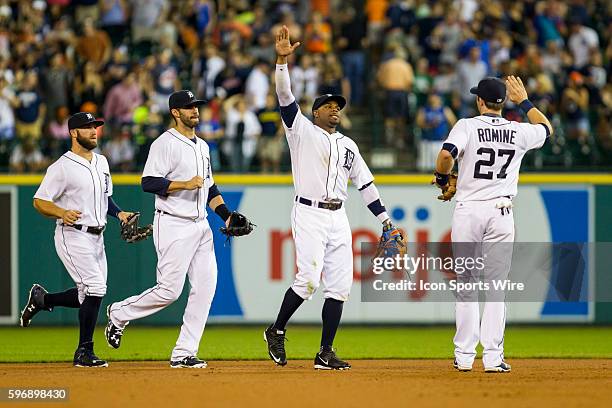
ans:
x=238 y=226
x=450 y=189
x=391 y=243
x=131 y=232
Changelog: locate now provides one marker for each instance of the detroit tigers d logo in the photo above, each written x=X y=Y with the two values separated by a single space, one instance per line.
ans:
x=349 y=156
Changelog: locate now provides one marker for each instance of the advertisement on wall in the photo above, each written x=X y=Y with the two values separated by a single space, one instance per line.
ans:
x=255 y=271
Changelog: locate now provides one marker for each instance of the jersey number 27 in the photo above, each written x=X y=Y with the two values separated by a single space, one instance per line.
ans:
x=490 y=161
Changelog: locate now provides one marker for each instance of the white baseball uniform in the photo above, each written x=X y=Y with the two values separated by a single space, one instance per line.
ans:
x=74 y=183
x=322 y=164
x=489 y=153
x=183 y=242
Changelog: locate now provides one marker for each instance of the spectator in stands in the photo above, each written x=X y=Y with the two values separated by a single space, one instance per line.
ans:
x=317 y=35
x=94 y=45
x=305 y=79
x=86 y=9
x=435 y=121
x=210 y=129
x=30 y=108
x=89 y=86
x=242 y=130
x=165 y=79
x=56 y=84
x=574 y=104
x=147 y=17
x=114 y=19
x=117 y=68
x=396 y=77
x=121 y=101
x=27 y=157
x=469 y=72
x=422 y=81
x=58 y=133
x=7 y=116
x=351 y=45
x=582 y=42
x=271 y=142
x=257 y=86
x=119 y=150
x=333 y=80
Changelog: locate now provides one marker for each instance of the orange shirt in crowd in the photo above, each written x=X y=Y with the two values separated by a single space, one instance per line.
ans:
x=376 y=10
x=322 y=6
x=318 y=37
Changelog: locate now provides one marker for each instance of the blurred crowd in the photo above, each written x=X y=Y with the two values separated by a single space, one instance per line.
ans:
x=410 y=62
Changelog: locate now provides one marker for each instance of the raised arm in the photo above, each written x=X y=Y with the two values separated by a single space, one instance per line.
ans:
x=518 y=94
x=287 y=102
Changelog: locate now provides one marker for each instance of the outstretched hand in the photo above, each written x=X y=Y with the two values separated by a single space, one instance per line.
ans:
x=515 y=89
x=284 y=47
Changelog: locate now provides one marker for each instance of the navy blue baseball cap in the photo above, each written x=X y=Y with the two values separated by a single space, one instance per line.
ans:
x=323 y=99
x=490 y=89
x=184 y=99
x=83 y=119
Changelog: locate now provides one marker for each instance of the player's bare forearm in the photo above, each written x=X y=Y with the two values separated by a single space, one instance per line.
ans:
x=195 y=182
x=281 y=59
x=215 y=202
x=445 y=162
x=535 y=116
x=47 y=208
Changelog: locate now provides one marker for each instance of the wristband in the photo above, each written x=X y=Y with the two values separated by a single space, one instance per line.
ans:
x=223 y=212
x=526 y=105
x=441 y=179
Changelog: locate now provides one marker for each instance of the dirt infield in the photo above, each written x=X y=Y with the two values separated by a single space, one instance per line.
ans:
x=371 y=383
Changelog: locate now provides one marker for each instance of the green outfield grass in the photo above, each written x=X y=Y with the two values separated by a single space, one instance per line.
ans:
x=47 y=344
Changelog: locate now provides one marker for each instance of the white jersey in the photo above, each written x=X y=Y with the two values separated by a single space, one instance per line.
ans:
x=73 y=183
x=177 y=158
x=489 y=153
x=322 y=163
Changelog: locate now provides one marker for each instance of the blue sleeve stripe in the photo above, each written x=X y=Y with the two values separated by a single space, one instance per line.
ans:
x=155 y=185
x=113 y=208
x=213 y=192
x=451 y=148
x=288 y=113
x=377 y=207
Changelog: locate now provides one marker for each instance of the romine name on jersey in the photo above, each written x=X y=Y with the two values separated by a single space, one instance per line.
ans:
x=496 y=135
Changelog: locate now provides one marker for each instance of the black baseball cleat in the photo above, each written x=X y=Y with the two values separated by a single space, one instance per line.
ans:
x=326 y=359
x=188 y=362
x=502 y=368
x=111 y=332
x=36 y=303
x=85 y=357
x=276 y=345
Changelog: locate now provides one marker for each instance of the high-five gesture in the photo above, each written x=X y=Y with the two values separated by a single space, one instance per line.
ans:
x=284 y=47
x=515 y=89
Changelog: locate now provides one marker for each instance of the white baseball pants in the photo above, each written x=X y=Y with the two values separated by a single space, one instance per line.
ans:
x=184 y=248
x=84 y=258
x=323 y=251
x=484 y=223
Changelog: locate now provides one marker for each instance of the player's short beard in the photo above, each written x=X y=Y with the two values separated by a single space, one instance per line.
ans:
x=86 y=142
x=187 y=121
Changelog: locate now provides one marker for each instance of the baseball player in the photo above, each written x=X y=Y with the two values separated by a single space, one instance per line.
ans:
x=489 y=150
x=77 y=190
x=322 y=160
x=178 y=172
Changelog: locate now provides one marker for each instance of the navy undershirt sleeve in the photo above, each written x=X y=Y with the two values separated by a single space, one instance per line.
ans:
x=113 y=208
x=288 y=113
x=155 y=185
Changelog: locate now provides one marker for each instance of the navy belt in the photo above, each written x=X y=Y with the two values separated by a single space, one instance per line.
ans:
x=85 y=228
x=332 y=206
